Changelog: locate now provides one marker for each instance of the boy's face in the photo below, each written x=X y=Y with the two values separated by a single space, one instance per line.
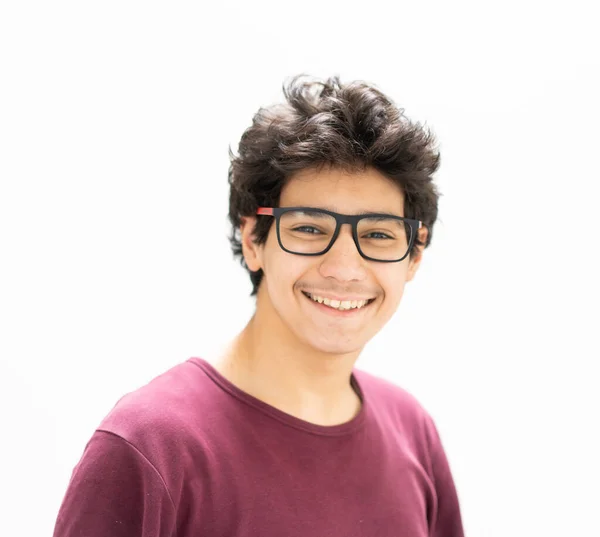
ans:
x=341 y=273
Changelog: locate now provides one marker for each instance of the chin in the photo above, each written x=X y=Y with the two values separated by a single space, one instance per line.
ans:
x=329 y=345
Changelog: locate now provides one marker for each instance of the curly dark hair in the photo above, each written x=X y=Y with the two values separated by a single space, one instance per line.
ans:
x=326 y=123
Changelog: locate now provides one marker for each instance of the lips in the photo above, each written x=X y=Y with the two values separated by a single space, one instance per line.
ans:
x=339 y=303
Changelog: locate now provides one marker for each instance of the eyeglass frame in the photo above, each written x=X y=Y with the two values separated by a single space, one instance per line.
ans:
x=341 y=219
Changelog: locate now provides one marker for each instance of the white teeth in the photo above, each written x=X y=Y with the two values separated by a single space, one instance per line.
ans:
x=339 y=305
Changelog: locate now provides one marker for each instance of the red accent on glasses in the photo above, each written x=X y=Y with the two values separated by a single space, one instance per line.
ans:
x=265 y=210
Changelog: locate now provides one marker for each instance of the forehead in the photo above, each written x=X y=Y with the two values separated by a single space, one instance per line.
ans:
x=344 y=192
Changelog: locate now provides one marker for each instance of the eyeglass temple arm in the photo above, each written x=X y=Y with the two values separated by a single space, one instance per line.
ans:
x=265 y=210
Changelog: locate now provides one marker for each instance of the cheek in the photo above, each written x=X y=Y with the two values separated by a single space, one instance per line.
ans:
x=392 y=280
x=282 y=271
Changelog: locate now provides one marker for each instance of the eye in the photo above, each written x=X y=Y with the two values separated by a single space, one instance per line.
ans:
x=307 y=229
x=378 y=235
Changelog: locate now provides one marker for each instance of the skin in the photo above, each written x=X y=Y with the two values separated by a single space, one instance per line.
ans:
x=297 y=355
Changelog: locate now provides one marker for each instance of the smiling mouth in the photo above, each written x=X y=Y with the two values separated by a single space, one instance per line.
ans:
x=340 y=305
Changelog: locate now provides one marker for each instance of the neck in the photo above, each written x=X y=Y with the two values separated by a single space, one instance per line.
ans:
x=270 y=363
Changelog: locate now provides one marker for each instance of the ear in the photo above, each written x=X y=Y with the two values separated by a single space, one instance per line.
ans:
x=415 y=259
x=252 y=252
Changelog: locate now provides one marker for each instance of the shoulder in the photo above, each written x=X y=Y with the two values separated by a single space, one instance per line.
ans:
x=385 y=395
x=164 y=408
x=398 y=409
x=153 y=438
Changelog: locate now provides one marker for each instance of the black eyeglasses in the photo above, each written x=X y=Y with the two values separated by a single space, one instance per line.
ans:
x=308 y=231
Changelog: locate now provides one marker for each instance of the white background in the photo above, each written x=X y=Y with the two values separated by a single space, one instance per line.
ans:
x=115 y=122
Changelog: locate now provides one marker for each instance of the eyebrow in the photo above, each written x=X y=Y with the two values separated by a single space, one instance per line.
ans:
x=380 y=218
x=387 y=213
x=313 y=211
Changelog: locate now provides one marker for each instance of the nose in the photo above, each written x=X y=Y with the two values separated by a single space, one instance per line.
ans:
x=343 y=261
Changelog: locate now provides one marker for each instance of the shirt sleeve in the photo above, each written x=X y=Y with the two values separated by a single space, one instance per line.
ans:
x=115 y=491
x=448 y=520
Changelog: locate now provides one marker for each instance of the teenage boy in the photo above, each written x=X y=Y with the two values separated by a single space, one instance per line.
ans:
x=332 y=204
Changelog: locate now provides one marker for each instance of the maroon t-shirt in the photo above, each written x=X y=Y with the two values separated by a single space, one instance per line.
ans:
x=192 y=455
